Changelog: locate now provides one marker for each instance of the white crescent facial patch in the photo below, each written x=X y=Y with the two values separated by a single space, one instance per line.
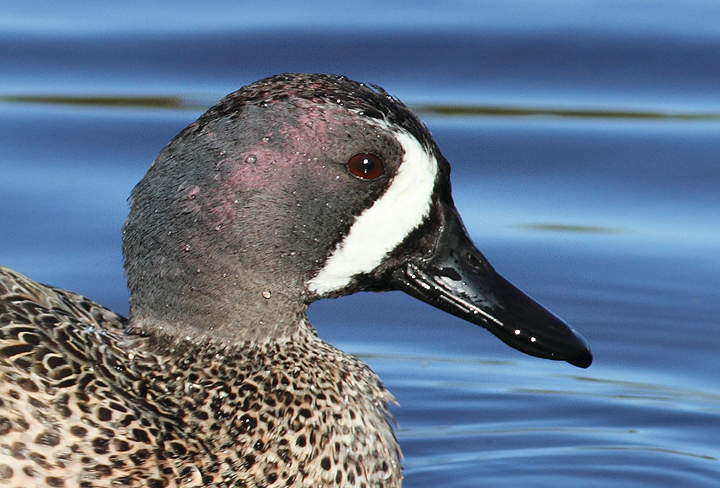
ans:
x=378 y=230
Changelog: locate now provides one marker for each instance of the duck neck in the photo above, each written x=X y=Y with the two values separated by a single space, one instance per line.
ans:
x=227 y=315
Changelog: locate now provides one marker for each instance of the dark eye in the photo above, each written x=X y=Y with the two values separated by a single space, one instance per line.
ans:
x=365 y=166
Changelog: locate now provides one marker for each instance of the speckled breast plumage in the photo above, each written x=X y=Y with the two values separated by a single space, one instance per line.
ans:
x=85 y=402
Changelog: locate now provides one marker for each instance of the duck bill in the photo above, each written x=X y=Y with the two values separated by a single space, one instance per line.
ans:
x=458 y=279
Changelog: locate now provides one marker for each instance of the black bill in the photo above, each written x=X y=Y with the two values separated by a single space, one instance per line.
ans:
x=458 y=279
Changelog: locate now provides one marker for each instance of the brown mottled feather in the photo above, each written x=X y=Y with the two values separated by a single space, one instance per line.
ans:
x=84 y=402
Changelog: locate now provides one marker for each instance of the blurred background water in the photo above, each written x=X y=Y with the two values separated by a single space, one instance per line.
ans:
x=585 y=144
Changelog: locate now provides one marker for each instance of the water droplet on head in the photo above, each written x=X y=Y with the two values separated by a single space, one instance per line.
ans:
x=251 y=159
x=265 y=139
x=186 y=248
x=266 y=294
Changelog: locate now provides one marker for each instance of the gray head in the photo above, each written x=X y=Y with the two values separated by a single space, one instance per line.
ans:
x=299 y=187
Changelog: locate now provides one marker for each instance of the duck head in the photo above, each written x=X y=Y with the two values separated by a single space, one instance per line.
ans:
x=300 y=187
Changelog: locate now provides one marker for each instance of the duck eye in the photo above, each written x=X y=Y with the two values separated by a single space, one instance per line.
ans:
x=365 y=166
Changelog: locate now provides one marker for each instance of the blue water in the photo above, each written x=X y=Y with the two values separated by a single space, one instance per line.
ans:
x=585 y=144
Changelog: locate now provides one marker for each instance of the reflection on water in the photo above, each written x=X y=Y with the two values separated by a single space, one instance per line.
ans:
x=514 y=111
x=425 y=109
x=583 y=229
x=102 y=101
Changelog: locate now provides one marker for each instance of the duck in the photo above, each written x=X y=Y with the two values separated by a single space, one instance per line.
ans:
x=294 y=188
